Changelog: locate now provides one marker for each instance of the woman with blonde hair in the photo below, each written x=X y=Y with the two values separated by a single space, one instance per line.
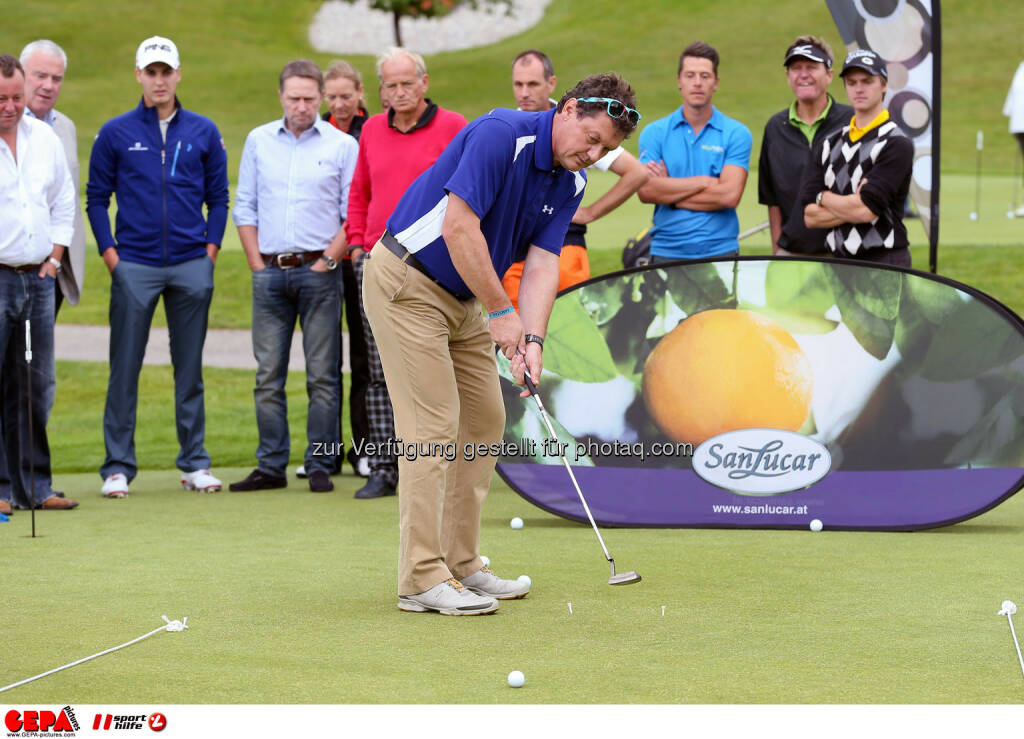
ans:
x=343 y=92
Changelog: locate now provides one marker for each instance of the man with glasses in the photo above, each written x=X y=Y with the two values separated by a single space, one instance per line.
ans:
x=697 y=158
x=533 y=82
x=505 y=188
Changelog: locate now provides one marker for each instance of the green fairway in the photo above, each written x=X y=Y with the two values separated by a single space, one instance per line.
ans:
x=290 y=598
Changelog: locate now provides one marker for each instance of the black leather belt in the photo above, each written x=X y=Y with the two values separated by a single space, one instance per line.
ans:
x=291 y=259
x=409 y=258
x=22 y=267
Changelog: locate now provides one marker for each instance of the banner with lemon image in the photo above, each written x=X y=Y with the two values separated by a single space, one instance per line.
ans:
x=766 y=393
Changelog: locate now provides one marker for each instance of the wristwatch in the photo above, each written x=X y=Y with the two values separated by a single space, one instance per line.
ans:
x=330 y=263
x=817 y=200
x=535 y=339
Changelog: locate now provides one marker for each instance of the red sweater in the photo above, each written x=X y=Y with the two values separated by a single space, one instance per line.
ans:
x=388 y=163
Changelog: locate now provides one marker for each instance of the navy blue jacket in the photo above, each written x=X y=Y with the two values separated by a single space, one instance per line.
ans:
x=160 y=187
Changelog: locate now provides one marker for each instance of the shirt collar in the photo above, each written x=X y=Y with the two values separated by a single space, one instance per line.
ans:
x=49 y=118
x=318 y=127
x=543 y=156
x=715 y=121
x=796 y=120
x=857 y=133
x=152 y=111
x=424 y=120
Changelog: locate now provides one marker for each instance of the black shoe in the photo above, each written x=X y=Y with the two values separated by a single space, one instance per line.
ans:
x=319 y=482
x=377 y=487
x=258 y=480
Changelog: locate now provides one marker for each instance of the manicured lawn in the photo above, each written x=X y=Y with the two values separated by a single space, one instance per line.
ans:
x=290 y=597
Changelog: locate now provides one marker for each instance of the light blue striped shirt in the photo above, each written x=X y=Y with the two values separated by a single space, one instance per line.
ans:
x=295 y=190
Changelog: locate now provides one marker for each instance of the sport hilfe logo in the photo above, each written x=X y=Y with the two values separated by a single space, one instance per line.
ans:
x=28 y=723
x=761 y=461
x=116 y=722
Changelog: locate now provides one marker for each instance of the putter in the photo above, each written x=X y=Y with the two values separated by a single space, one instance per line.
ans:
x=622 y=578
x=28 y=402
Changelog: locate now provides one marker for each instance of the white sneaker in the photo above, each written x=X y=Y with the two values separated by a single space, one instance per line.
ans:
x=200 y=480
x=486 y=583
x=300 y=472
x=449 y=598
x=115 y=486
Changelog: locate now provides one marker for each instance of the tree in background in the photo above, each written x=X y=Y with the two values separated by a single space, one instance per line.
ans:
x=423 y=9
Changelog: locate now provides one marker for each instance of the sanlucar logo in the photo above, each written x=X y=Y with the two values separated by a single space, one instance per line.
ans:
x=761 y=461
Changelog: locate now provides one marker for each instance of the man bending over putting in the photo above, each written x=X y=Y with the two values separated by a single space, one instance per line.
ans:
x=505 y=188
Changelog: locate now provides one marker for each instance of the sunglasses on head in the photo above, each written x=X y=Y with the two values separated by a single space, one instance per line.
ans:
x=616 y=109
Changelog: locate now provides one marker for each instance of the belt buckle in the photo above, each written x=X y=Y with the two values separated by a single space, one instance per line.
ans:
x=293 y=260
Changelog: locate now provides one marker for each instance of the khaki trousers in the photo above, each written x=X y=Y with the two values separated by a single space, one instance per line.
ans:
x=438 y=362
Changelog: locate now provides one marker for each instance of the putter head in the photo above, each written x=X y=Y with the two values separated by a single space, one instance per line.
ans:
x=626 y=578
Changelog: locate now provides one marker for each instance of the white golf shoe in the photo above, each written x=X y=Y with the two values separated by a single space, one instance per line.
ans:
x=200 y=480
x=486 y=583
x=450 y=598
x=115 y=486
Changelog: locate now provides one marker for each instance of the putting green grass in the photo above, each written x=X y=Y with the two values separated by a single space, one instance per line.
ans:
x=290 y=598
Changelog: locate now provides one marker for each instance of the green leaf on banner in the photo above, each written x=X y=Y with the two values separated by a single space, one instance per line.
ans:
x=602 y=300
x=971 y=340
x=575 y=348
x=797 y=296
x=667 y=316
x=698 y=287
x=869 y=301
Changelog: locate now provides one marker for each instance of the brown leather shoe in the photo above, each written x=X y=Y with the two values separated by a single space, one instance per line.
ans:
x=5 y=507
x=57 y=503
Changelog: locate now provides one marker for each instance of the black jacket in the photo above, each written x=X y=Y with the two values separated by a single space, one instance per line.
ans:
x=356 y=127
x=785 y=155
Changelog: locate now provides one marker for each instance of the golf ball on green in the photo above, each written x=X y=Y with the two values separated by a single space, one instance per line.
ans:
x=816 y=525
x=525 y=578
x=516 y=523
x=516 y=679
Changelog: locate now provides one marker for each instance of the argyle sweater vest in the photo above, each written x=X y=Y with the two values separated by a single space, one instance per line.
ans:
x=847 y=163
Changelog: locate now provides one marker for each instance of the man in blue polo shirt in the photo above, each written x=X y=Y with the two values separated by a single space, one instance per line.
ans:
x=505 y=189
x=697 y=159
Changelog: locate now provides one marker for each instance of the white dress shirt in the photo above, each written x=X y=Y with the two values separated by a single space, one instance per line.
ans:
x=295 y=189
x=37 y=197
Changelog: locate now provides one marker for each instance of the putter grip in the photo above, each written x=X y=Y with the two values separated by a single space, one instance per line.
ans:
x=529 y=383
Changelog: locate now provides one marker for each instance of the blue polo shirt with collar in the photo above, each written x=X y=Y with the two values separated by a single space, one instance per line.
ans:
x=502 y=165
x=679 y=233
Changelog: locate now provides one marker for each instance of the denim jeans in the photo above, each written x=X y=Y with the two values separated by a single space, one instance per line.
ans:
x=278 y=297
x=26 y=296
x=187 y=289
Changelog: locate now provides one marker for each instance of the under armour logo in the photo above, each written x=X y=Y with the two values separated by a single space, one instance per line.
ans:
x=547 y=209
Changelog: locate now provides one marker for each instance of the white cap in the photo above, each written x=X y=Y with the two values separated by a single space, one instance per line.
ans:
x=157 y=49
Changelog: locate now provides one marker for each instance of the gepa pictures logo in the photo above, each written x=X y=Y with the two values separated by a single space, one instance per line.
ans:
x=41 y=723
x=762 y=461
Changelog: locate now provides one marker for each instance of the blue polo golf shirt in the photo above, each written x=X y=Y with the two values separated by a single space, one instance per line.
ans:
x=502 y=165
x=690 y=234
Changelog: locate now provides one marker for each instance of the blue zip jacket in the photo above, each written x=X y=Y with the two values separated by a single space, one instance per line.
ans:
x=160 y=187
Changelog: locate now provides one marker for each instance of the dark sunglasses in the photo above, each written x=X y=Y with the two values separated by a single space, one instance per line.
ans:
x=616 y=109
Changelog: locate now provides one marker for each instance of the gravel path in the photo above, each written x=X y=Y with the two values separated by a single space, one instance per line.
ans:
x=355 y=28
x=223 y=347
